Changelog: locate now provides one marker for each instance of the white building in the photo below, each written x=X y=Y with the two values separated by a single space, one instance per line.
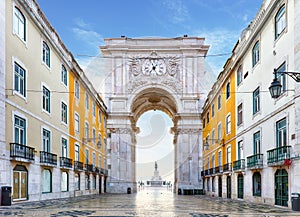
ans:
x=267 y=129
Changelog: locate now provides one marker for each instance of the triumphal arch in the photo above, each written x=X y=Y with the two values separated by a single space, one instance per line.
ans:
x=166 y=74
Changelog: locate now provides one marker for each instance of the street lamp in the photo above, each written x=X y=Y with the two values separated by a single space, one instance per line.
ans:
x=275 y=88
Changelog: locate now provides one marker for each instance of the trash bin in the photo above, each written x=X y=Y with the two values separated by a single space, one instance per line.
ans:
x=296 y=201
x=128 y=190
x=6 y=196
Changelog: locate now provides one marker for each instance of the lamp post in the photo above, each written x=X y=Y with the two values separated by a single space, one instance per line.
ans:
x=275 y=88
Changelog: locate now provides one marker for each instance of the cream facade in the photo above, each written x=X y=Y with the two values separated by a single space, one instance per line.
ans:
x=40 y=153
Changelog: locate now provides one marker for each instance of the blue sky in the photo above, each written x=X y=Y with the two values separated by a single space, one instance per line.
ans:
x=82 y=26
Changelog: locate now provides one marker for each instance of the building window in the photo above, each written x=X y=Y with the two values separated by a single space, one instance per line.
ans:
x=87 y=182
x=46 y=54
x=204 y=122
x=64 y=181
x=228 y=124
x=207 y=141
x=94 y=159
x=94 y=135
x=64 y=75
x=77 y=182
x=20 y=80
x=256 y=184
x=105 y=122
x=77 y=123
x=240 y=154
x=228 y=90
x=256 y=101
x=220 y=158
x=213 y=137
x=282 y=77
x=94 y=109
x=87 y=101
x=100 y=162
x=213 y=110
x=64 y=113
x=240 y=114
x=64 y=147
x=280 y=21
x=19 y=24
x=100 y=117
x=207 y=117
x=20 y=130
x=256 y=143
x=239 y=75
x=77 y=152
x=87 y=156
x=219 y=132
x=219 y=101
x=46 y=99
x=281 y=136
x=86 y=131
x=46 y=181
x=94 y=182
x=255 y=54
x=228 y=154
x=77 y=89
x=99 y=140
x=46 y=141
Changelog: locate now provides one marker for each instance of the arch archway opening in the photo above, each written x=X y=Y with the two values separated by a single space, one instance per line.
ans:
x=154 y=150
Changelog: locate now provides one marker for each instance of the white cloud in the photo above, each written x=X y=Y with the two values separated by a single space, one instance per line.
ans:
x=178 y=12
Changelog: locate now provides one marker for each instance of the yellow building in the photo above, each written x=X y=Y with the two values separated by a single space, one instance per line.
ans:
x=219 y=149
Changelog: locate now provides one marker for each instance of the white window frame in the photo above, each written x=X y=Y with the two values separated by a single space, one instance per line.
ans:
x=16 y=31
x=64 y=113
x=228 y=124
x=64 y=75
x=22 y=116
x=77 y=89
x=20 y=64
x=43 y=109
x=76 y=123
x=46 y=56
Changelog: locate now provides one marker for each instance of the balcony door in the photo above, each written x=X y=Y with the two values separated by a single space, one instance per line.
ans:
x=20 y=184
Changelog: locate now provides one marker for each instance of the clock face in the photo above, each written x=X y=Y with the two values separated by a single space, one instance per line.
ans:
x=154 y=67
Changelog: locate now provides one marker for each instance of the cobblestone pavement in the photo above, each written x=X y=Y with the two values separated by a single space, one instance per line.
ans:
x=148 y=202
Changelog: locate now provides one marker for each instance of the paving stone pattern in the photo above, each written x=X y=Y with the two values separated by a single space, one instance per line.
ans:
x=147 y=202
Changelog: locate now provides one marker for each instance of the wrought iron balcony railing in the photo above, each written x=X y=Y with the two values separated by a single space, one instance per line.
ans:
x=48 y=158
x=65 y=162
x=21 y=151
x=227 y=167
x=239 y=164
x=78 y=165
x=278 y=155
x=255 y=161
x=89 y=167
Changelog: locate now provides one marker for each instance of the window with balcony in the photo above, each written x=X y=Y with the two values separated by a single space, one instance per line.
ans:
x=256 y=101
x=256 y=143
x=240 y=114
x=46 y=99
x=64 y=181
x=19 y=24
x=19 y=79
x=281 y=134
x=64 y=75
x=20 y=130
x=77 y=152
x=87 y=156
x=64 y=113
x=220 y=159
x=240 y=151
x=46 y=181
x=280 y=21
x=46 y=54
x=228 y=154
x=255 y=54
x=64 y=147
x=256 y=180
x=46 y=141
